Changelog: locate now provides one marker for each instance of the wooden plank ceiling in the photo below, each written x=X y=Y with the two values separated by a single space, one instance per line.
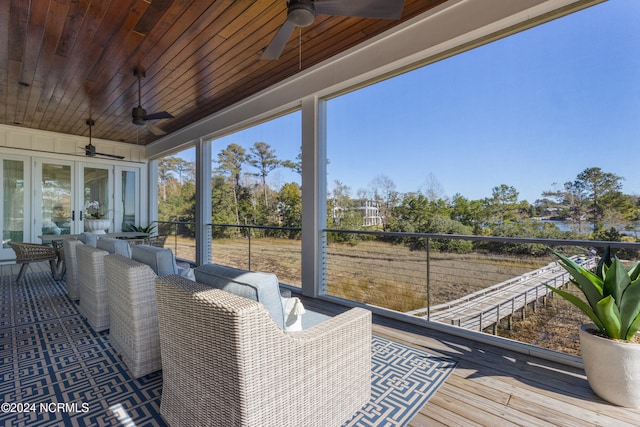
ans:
x=64 y=61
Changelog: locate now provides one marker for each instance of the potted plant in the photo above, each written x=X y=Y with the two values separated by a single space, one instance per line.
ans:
x=611 y=358
x=149 y=229
x=96 y=221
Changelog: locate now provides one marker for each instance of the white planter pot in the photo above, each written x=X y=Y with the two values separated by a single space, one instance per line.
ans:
x=97 y=226
x=612 y=368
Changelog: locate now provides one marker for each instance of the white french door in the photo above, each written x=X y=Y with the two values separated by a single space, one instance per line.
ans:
x=53 y=196
x=95 y=198
x=15 y=174
x=127 y=197
x=62 y=190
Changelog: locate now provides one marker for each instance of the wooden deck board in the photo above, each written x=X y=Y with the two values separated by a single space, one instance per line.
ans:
x=423 y=420
x=482 y=410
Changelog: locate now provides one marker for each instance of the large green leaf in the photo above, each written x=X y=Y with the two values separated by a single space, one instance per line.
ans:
x=633 y=329
x=607 y=311
x=615 y=281
x=629 y=306
x=634 y=271
x=604 y=263
x=586 y=309
x=585 y=280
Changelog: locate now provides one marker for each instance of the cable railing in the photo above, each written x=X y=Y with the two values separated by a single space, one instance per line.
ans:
x=276 y=250
x=181 y=238
x=480 y=283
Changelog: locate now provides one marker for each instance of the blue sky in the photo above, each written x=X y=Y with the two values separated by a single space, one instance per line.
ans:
x=528 y=111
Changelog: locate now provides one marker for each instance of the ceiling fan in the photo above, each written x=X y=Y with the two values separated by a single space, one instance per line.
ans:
x=90 y=150
x=301 y=13
x=139 y=114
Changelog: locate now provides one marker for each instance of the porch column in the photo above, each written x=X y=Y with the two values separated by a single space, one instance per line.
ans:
x=203 y=202
x=152 y=187
x=314 y=171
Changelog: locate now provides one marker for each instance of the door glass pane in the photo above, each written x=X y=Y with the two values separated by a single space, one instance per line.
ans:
x=128 y=199
x=96 y=193
x=56 y=199
x=13 y=203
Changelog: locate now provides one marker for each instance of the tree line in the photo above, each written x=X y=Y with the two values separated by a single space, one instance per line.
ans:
x=593 y=204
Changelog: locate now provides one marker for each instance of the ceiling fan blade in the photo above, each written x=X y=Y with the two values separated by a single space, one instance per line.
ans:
x=278 y=42
x=379 y=9
x=160 y=115
x=155 y=129
x=114 y=156
x=90 y=151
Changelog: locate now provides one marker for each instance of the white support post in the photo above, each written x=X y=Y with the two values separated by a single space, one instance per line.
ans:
x=203 y=202
x=314 y=184
x=152 y=208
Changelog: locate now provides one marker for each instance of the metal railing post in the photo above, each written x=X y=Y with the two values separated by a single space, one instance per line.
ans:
x=249 y=254
x=428 y=244
x=175 y=238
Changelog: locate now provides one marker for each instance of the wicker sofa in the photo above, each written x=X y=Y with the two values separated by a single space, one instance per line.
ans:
x=227 y=363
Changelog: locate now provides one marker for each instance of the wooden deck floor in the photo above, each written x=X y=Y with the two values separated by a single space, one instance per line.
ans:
x=491 y=386
x=496 y=387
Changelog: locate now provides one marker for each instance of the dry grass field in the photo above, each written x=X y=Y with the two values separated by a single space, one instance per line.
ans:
x=397 y=278
x=394 y=277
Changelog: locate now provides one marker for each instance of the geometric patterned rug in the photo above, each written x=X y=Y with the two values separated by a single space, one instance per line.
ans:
x=55 y=370
x=403 y=378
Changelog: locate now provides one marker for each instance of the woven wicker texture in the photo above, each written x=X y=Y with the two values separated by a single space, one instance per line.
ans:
x=27 y=253
x=71 y=262
x=226 y=363
x=92 y=285
x=32 y=252
x=133 y=314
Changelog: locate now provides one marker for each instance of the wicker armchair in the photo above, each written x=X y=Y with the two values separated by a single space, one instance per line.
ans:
x=225 y=362
x=92 y=285
x=94 y=304
x=71 y=263
x=27 y=253
x=133 y=314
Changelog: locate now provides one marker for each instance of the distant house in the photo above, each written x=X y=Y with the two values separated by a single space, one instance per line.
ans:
x=370 y=213
x=369 y=210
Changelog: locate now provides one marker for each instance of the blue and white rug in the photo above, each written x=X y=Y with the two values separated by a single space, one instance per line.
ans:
x=55 y=370
x=402 y=380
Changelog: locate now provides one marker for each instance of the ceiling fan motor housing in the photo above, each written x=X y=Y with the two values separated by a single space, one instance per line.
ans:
x=301 y=13
x=139 y=114
x=90 y=150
